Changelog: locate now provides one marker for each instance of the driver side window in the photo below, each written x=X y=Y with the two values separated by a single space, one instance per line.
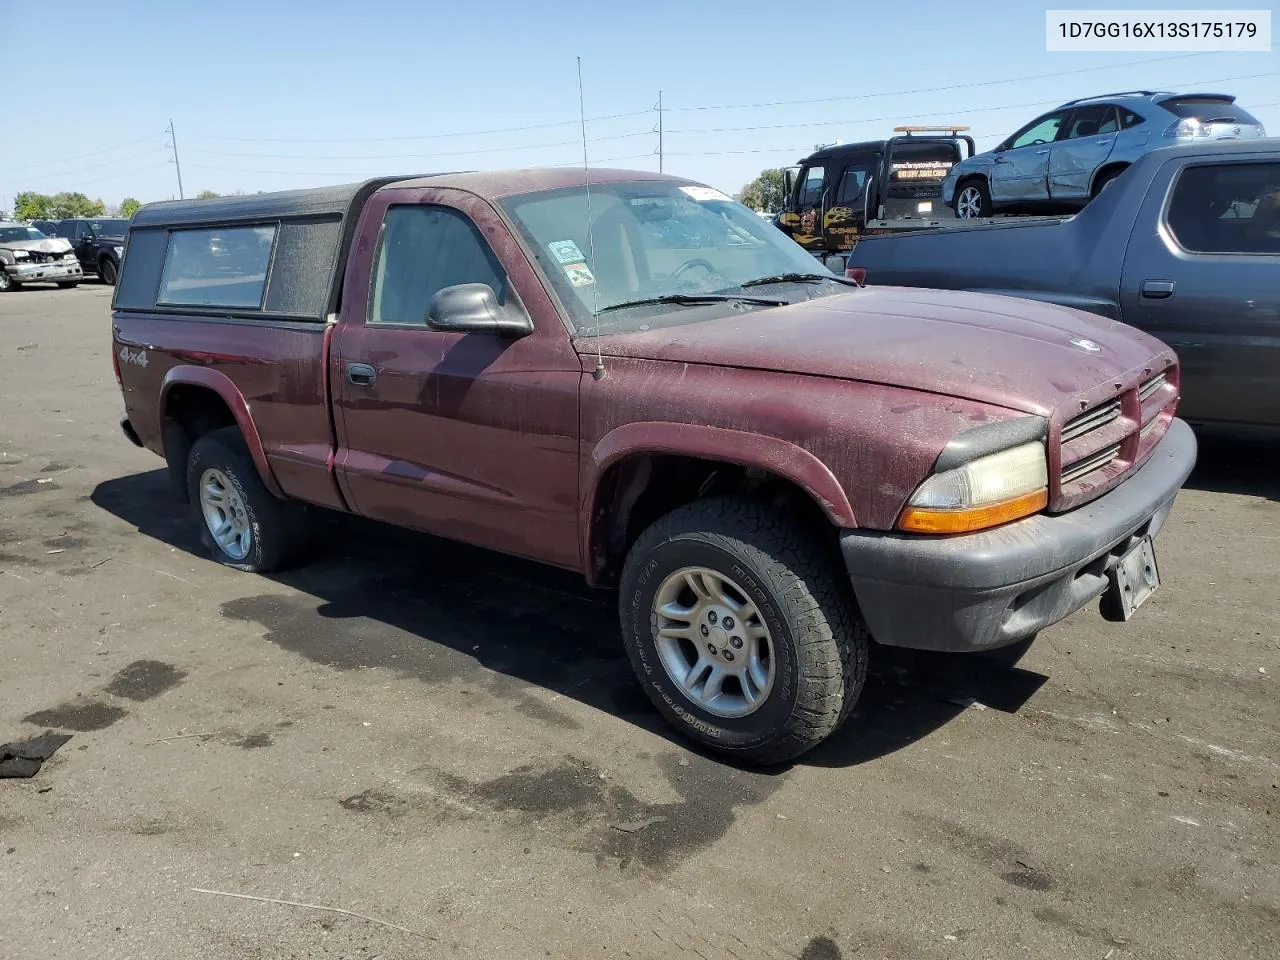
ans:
x=1044 y=130
x=811 y=186
x=422 y=250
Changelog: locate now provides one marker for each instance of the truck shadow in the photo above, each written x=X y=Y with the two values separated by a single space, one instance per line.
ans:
x=376 y=596
x=1235 y=461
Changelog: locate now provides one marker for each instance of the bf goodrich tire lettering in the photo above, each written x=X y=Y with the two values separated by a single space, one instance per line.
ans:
x=784 y=583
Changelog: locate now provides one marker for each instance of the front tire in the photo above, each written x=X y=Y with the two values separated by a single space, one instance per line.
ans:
x=7 y=283
x=242 y=524
x=741 y=631
x=973 y=200
x=107 y=271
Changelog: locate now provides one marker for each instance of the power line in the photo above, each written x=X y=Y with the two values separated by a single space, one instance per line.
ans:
x=938 y=113
x=411 y=156
x=425 y=173
x=82 y=156
x=45 y=174
x=117 y=176
x=951 y=86
x=425 y=136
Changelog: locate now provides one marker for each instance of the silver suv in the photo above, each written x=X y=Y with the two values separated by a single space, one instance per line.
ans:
x=1066 y=157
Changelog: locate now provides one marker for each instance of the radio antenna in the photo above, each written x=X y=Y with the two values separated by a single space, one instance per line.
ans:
x=598 y=373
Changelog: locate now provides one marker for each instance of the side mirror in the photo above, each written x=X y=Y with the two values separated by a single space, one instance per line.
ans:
x=788 y=187
x=474 y=308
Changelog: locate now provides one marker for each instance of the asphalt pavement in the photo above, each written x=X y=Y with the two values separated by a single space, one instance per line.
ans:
x=445 y=749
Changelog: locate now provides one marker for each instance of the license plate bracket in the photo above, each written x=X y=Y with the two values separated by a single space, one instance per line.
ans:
x=1132 y=581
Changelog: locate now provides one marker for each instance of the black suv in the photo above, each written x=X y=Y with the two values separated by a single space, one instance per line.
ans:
x=97 y=241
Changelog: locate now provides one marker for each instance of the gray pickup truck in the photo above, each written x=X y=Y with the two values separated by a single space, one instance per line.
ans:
x=1184 y=245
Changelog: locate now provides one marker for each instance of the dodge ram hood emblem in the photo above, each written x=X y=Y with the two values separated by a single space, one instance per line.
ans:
x=1084 y=344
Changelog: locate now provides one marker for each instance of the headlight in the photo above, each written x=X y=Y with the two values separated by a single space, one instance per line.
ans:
x=119 y=251
x=987 y=491
x=21 y=255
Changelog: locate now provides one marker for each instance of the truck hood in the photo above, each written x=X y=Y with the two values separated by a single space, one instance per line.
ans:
x=47 y=245
x=1020 y=354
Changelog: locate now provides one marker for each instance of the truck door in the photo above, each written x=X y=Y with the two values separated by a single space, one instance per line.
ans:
x=471 y=436
x=1020 y=170
x=811 y=189
x=850 y=208
x=1206 y=281
x=1089 y=139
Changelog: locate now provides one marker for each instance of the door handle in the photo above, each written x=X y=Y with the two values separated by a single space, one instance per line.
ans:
x=1157 y=289
x=360 y=374
x=1104 y=141
x=1041 y=153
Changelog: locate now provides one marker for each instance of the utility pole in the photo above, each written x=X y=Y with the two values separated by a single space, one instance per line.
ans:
x=173 y=137
x=658 y=130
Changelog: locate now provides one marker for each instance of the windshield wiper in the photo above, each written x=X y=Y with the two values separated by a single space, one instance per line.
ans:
x=694 y=300
x=798 y=278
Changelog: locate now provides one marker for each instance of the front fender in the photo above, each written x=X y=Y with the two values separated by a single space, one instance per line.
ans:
x=779 y=457
x=223 y=386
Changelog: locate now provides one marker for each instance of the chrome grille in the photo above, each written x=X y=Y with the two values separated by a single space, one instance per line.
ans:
x=1089 y=464
x=1151 y=386
x=1088 y=422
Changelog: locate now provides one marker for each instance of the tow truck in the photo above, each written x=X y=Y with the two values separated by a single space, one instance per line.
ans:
x=838 y=193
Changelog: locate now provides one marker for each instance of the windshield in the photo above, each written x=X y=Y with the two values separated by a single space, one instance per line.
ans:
x=1208 y=110
x=656 y=239
x=19 y=234
x=109 y=228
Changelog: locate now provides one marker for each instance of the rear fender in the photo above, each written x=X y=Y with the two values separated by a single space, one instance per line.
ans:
x=779 y=457
x=223 y=386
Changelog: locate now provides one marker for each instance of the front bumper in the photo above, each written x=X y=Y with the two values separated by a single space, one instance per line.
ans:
x=948 y=190
x=44 y=272
x=985 y=590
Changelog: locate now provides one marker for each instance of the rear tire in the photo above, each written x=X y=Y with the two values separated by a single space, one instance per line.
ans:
x=790 y=601
x=107 y=271
x=1105 y=180
x=972 y=200
x=242 y=524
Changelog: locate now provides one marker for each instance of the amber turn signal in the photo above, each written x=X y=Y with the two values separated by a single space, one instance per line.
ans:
x=919 y=520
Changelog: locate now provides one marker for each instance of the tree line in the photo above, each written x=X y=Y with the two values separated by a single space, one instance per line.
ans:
x=766 y=192
x=60 y=206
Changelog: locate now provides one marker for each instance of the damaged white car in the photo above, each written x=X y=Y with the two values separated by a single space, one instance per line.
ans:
x=28 y=256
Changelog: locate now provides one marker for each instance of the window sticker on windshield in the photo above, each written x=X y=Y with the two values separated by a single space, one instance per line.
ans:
x=579 y=274
x=703 y=194
x=566 y=251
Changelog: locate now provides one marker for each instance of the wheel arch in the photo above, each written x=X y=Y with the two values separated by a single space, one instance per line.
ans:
x=1113 y=169
x=195 y=401
x=640 y=471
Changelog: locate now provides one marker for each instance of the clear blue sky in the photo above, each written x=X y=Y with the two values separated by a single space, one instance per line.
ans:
x=269 y=95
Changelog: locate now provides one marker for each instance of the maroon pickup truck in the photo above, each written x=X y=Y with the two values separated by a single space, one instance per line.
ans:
x=639 y=379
